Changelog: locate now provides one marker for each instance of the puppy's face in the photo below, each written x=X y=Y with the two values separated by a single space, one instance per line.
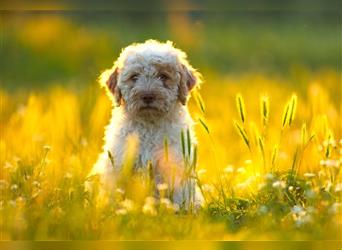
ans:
x=150 y=79
x=149 y=86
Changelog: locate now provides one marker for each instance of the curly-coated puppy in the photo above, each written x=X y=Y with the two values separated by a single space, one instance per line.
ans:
x=149 y=84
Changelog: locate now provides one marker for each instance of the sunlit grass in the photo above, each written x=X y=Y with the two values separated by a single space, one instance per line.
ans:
x=269 y=160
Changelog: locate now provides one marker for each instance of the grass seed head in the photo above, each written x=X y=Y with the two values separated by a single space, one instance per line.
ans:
x=241 y=107
x=264 y=108
x=204 y=125
x=242 y=132
x=274 y=156
x=303 y=134
x=293 y=109
x=285 y=115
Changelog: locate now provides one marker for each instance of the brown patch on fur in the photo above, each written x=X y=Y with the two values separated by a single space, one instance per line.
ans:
x=189 y=79
x=109 y=78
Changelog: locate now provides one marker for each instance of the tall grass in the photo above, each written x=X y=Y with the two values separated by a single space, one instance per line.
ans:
x=269 y=167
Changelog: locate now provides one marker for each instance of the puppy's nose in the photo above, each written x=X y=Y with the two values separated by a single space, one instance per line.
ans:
x=148 y=98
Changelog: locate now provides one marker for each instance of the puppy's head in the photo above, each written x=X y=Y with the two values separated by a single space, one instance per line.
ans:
x=150 y=78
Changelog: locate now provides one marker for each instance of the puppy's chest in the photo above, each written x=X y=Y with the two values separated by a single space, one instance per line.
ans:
x=151 y=145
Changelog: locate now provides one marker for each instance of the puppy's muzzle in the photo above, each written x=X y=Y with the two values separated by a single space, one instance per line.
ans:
x=148 y=98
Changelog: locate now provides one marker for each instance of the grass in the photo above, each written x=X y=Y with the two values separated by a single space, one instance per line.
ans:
x=269 y=155
x=278 y=175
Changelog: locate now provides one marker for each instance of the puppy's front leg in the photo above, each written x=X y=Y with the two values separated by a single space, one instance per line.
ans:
x=182 y=188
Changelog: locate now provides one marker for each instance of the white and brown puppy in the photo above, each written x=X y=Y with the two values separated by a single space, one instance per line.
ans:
x=149 y=84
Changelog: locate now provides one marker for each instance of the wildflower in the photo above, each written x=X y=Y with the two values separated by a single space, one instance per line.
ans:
x=269 y=176
x=16 y=159
x=120 y=191
x=68 y=175
x=261 y=186
x=127 y=204
x=121 y=211
x=290 y=188
x=229 y=169
x=58 y=212
x=20 y=201
x=310 y=194
x=297 y=209
x=36 y=184
x=12 y=203
x=149 y=206
x=279 y=184
x=321 y=174
x=248 y=162
x=242 y=185
x=338 y=163
x=328 y=186
x=86 y=203
x=84 y=141
x=332 y=163
x=241 y=170
x=335 y=208
x=36 y=193
x=249 y=180
x=46 y=148
x=338 y=187
x=3 y=184
x=175 y=207
x=150 y=200
x=162 y=187
x=303 y=220
x=201 y=172
x=14 y=187
x=149 y=209
x=263 y=210
x=8 y=165
x=332 y=142
x=207 y=188
x=166 y=203
x=309 y=175
x=311 y=209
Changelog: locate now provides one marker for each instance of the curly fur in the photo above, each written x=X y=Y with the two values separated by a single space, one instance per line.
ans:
x=149 y=84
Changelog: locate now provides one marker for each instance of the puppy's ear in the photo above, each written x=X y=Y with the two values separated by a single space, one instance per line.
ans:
x=190 y=78
x=109 y=79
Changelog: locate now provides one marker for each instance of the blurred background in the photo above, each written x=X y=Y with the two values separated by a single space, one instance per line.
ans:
x=69 y=43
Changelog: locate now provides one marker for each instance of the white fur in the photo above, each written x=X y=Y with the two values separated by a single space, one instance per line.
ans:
x=165 y=117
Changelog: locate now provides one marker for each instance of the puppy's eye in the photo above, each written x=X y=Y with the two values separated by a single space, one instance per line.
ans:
x=163 y=77
x=134 y=77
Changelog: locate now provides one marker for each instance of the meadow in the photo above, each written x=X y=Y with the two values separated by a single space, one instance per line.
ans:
x=267 y=121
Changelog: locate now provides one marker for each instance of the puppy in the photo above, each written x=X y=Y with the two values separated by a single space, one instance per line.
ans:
x=150 y=84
